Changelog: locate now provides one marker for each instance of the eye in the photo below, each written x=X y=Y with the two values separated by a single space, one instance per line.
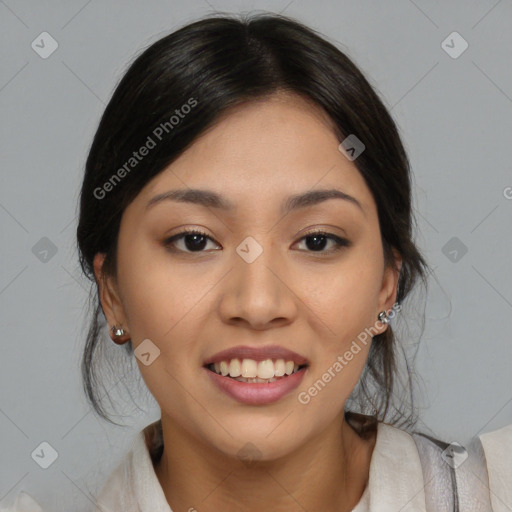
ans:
x=318 y=239
x=194 y=240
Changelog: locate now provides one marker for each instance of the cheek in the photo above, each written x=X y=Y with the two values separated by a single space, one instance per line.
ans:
x=157 y=306
x=346 y=304
x=332 y=380
x=156 y=296
x=345 y=298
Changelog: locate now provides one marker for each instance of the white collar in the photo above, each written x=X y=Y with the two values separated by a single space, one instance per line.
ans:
x=395 y=482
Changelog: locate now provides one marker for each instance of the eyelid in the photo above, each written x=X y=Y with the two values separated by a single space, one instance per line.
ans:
x=185 y=232
x=340 y=241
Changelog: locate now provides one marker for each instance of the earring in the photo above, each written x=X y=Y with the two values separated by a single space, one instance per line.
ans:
x=383 y=317
x=118 y=332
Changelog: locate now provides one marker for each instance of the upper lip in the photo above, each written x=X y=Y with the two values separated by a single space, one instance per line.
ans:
x=257 y=354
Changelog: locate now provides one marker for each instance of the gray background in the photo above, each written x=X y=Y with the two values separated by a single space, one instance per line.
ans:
x=455 y=119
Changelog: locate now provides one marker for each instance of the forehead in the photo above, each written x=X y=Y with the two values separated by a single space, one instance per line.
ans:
x=273 y=147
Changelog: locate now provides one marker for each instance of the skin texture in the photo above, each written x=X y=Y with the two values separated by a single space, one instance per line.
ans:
x=195 y=304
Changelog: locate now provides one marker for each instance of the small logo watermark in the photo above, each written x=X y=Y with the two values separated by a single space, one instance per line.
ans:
x=44 y=45
x=44 y=455
x=454 y=455
x=44 y=249
x=454 y=249
x=146 y=352
x=249 y=454
x=351 y=147
x=454 y=45
x=249 y=249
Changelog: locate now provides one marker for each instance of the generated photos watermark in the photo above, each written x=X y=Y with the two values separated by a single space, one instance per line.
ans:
x=304 y=397
x=156 y=136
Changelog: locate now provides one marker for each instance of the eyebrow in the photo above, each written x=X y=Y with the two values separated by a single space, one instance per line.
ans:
x=211 y=199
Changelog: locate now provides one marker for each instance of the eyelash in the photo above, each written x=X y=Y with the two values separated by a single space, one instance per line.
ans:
x=339 y=241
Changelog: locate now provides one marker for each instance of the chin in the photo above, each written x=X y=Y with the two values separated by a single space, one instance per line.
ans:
x=260 y=441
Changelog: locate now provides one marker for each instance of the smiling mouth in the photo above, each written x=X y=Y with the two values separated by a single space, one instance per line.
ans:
x=249 y=370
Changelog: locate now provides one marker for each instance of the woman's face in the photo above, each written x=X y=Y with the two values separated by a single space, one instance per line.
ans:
x=258 y=282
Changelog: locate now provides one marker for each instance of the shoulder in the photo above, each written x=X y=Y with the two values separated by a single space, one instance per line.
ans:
x=396 y=477
x=474 y=477
x=117 y=492
x=133 y=485
x=480 y=472
x=24 y=503
x=497 y=447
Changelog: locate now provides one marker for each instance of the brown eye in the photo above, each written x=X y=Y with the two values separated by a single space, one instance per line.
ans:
x=317 y=240
x=193 y=241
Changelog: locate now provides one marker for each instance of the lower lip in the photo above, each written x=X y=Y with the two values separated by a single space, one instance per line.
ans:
x=257 y=393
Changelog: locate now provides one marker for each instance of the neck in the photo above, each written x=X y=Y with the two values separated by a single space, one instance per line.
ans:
x=327 y=473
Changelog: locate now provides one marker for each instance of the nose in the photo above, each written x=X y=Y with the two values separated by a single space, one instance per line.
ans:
x=258 y=294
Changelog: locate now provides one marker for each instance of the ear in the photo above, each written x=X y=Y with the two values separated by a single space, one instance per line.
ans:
x=388 y=291
x=109 y=296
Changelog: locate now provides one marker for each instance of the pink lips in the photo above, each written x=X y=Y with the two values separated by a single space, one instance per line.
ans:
x=257 y=393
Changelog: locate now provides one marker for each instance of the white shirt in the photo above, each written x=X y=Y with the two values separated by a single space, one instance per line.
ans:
x=396 y=481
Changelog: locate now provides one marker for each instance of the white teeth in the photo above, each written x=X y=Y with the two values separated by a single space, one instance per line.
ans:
x=235 y=368
x=266 y=369
x=224 y=368
x=249 y=370
x=279 y=368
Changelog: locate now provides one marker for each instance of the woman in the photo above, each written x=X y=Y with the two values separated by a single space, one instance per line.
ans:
x=246 y=216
